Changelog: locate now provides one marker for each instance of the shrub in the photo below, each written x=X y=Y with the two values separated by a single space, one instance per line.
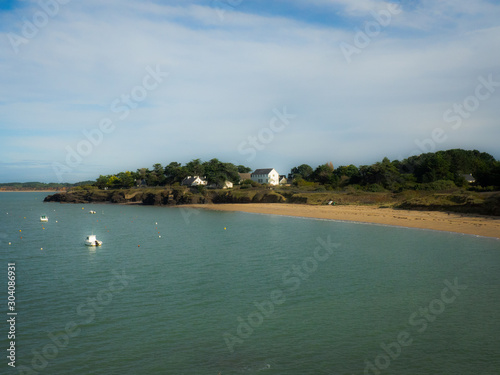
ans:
x=375 y=188
x=437 y=185
x=250 y=182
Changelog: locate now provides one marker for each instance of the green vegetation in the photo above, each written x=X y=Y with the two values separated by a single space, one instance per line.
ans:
x=432 y=181
x=442 y=170
x=215 y=172
x=439 y=171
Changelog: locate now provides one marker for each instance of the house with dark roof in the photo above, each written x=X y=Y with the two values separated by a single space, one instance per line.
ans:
x=266 y=176
x=469 y=178
x=226 y=185
x=193 y=181
x=245 y=176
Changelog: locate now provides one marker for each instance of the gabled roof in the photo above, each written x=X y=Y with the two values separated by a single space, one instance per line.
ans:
x=189 y=180
x=245 y=176
x=469 y=177
x=263 y=171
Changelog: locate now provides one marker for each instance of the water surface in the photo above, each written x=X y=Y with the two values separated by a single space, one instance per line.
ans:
x=186 y=291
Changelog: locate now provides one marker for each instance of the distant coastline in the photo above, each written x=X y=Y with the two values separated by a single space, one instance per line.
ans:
x=30 y=191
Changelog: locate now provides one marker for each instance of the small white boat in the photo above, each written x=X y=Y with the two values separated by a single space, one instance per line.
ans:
x=44 y=218
x=92 y=212
x=91 y=240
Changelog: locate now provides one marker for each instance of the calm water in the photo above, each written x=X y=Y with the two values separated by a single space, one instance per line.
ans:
x=184 y=291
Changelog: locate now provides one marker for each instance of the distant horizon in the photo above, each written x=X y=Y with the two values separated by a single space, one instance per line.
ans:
x=96 y=87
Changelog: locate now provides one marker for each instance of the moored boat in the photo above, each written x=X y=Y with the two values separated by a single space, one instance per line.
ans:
x=91 y=240
x=44 y=218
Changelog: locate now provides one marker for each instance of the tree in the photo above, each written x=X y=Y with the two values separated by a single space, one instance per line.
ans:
x=195 y=168
x=127 y=179
x=102 y=181
x=141 y=173
x=302 y=171
x=324 y=174
x=159 y=171
x=151 y=178
x=243 y=169
x=174 y=172
x=218 y=172
x=113 y=182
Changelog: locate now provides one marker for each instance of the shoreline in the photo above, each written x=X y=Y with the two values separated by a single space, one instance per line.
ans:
x=472 y=224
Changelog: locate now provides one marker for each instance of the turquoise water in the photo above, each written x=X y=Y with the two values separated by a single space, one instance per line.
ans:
x=236 y=293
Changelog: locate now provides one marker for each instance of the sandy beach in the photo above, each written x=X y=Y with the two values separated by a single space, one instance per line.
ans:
x=488 y=226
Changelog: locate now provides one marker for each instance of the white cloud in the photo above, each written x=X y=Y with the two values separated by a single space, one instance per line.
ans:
x=226 y=78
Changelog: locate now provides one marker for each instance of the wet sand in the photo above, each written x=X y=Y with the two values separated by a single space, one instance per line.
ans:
x=488 y=226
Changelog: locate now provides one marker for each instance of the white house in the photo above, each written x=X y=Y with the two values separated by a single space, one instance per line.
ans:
x=193 y=181
x=226 y=185
x=266 y=176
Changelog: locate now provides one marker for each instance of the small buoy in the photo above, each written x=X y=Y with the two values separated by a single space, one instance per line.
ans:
x=159 y=236
x=138 y=245
x=41 y=248
x=156 y=223
x=19 y=230
x=83 y=208
x=56 y=221
x=43 y=228
x=10 y=243
x=224 y=228
x=25 y=217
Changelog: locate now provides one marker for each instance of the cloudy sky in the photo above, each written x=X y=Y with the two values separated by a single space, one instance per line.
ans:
x=98 y=87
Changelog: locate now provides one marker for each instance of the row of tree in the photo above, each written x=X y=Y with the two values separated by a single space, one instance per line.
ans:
x=439 y=170
x=442 y=168
x=215 y=172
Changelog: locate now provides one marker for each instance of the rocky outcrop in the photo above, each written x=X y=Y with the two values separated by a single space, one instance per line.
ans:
x=165 y=197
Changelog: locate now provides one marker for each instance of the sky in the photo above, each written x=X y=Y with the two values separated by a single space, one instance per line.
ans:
x=93 y=87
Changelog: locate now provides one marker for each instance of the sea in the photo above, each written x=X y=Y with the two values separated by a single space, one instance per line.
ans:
x=176 y=290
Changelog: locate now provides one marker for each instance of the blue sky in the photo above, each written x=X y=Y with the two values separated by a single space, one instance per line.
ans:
x=89 y=88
